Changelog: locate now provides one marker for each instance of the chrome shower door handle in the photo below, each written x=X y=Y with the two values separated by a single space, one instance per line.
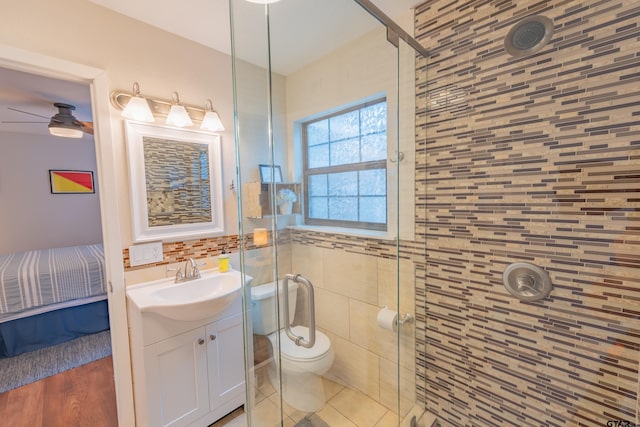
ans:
x=299 y=340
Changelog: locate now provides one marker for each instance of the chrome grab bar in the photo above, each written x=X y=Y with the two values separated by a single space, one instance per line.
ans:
x=299 y=340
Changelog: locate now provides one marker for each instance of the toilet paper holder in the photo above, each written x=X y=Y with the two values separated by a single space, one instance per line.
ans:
x=405 y=318
x=392 y=320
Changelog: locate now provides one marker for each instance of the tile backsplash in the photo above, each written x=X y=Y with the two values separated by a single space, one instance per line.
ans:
x=181 y=250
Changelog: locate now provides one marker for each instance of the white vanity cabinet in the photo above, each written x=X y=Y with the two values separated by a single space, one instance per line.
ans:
x=225 y=359
x=187 y=373
x=177 y=379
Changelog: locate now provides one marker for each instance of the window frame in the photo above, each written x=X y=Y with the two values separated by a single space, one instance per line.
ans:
x=350 y=167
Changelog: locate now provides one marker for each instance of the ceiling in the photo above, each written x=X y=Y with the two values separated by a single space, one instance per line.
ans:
x=301 y=32
x=304 y=30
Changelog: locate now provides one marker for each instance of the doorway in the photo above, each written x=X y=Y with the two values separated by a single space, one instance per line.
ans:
x=51 y=228
x=97 y=81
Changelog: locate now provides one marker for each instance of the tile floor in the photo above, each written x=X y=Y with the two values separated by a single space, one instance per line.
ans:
x=345 y=407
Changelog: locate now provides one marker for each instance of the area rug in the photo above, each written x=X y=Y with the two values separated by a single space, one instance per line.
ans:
x=311 y=420
x=33 y=366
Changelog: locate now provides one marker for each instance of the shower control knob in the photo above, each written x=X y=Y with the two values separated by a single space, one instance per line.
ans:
x=526 y=282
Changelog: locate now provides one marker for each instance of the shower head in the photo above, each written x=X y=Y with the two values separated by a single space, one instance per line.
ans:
x=528 y=36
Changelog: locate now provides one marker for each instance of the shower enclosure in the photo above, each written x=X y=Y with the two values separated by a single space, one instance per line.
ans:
x=507 y=225
x=325 y=98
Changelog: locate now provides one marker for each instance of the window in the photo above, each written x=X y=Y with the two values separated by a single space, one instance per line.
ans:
x=345 y=167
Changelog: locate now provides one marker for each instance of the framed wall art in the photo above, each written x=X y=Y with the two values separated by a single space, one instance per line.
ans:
x=176 y=182
x=266 y=172
x=71 y=182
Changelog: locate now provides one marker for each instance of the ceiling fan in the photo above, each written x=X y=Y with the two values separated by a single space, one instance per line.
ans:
x=63 y=123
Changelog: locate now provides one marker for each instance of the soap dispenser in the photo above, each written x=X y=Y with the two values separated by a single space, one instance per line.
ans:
x=223 y=261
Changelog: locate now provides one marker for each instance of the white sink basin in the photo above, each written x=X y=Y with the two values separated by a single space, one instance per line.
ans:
x=195 y=299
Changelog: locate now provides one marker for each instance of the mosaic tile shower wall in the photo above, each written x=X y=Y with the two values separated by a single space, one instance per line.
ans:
x=531 y=159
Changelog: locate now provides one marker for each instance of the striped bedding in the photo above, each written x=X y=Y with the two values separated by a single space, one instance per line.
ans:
x=48 y=276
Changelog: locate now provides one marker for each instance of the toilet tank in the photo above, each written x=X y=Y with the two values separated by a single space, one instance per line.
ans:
x=263 y=307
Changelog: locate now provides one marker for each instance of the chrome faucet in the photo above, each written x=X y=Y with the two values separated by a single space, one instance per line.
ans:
x=191 y=271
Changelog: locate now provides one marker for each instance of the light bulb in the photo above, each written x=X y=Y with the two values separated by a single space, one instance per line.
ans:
x=211 y=122
x=178 y=115
x=138 y=109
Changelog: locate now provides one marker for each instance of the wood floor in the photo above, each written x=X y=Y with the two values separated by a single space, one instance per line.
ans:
x=80 y=397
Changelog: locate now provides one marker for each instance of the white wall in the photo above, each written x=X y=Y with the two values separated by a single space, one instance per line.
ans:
x=30 y=216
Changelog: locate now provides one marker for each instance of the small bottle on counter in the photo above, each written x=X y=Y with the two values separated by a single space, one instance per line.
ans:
x=223 y=261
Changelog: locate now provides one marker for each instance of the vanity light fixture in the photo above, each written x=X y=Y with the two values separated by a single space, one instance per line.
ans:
x=138 y=108
x=178 y=115
x=174 y=112
x=211 y=120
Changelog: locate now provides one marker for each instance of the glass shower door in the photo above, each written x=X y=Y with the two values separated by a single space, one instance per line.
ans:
x=331 y=121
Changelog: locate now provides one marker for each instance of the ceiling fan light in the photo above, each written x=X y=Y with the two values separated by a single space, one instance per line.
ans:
x=138 y=109
x=179 y=117
x=212 y=122
x=65 y=132
x=64 y=124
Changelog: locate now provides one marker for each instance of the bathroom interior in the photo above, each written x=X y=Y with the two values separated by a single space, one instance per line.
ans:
x=510 y=252
x=494 y=280
x=504 y=246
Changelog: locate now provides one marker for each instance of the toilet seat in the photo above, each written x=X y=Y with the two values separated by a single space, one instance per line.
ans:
x=290 y=351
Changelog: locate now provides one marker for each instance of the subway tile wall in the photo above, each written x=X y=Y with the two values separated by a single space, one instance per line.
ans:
x=532 y=159
x=354 y=278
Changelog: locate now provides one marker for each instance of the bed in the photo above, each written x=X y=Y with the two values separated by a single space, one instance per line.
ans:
x=50 y=296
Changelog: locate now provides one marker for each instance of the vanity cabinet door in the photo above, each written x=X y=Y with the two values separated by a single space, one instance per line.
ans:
x=225 y=352
x=176 y=378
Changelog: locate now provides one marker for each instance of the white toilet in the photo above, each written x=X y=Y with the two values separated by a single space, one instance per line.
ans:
x=302 y=386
